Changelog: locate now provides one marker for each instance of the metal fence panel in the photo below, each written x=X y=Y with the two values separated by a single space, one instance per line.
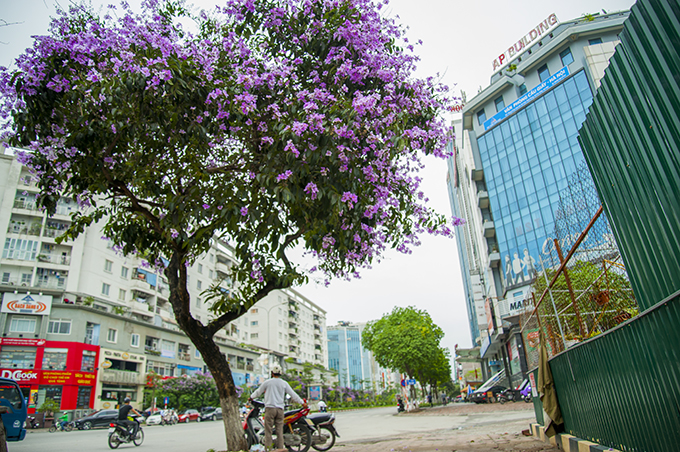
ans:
x=622 y=389
x=631 y=139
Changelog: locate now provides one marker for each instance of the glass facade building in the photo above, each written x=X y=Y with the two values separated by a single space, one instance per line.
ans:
x=348 y=357
x=527 y=160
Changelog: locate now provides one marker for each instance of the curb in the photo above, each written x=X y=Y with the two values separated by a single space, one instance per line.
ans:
x=569 y=443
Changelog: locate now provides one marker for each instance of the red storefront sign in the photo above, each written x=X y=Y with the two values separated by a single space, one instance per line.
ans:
x=21 y=375
x=63 y=377
x=19 y=341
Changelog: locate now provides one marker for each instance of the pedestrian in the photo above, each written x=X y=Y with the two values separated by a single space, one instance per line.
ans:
x=322 y=406
x=274 y=391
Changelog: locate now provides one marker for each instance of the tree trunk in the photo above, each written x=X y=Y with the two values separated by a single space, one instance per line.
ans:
x=210 y=352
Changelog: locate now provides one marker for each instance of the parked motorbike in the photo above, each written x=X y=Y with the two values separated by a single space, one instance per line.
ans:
x=297 y=429
x=119 y=434
x=323 y=432
x=31 y=422
x=510 y=395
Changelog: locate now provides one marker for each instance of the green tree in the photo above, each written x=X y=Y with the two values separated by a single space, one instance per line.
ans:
x=191 y=391
x=407 y=340
x=275 y=124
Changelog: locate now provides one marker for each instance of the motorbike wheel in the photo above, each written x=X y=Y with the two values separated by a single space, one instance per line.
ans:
x=502 y=400
x=527 y=399
x=330 y=441
x=305 y=435
x=52 y=429
x=114 y=441
x=68 y=427
x=139 y=439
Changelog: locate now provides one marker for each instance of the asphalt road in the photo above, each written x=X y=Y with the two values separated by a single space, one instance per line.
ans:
x=359 y=430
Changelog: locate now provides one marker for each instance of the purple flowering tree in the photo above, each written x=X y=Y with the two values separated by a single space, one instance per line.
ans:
x=267 y=123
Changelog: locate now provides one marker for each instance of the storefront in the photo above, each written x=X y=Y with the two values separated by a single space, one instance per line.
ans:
x=62 y=371
x=121 y=375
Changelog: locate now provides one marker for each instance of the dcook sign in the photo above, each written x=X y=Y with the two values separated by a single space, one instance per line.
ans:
x=523 y=44
x=20 y=376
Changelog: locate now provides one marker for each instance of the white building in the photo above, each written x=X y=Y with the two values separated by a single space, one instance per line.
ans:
x=88 y=273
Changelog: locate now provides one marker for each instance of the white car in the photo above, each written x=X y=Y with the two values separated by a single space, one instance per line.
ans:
x=154 y=419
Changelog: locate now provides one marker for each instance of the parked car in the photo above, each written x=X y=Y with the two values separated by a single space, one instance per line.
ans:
x=459 y=398
x=481 y=395
x=99 y=419
x=211 y=415
x=190 y=415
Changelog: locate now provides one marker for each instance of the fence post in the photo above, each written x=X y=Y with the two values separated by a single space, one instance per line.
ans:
x=571 y=291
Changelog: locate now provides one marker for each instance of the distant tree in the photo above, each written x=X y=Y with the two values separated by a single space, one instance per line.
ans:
x=191 y=391
x=407 y=340
x=276 y=124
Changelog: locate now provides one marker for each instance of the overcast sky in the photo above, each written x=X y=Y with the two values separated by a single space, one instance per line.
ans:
x=460 y=41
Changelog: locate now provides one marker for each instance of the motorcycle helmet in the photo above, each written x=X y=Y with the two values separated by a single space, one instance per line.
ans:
x=127 y=400
x=276 y=369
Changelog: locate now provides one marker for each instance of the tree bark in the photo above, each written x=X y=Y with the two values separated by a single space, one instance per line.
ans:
x=217 y=363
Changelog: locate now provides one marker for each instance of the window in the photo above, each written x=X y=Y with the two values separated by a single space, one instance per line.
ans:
x=134 y=340
x=211 y=274
x=124 y=272
x=543 y=73
x=22 y=325
x=253 y=323
x=253 y=311
x=499 y=104
x=121 y=294
x=59 y=326
x=108 y=266
x=52 y=392
x=254 y=336
x=26 y=279
x=200 y=268
x=592 y=42
x=5 y=278
x=197 y=354
x=54 y=359
x=167 y=349
x=198 y=302
x=17 y=358
x=199 y=285
x=112 y=336
x=88 y=361
x=83 y=400
x=522 y=89
x=106 y=288
x=211 y=257
x=566 y=57
x=481 y=117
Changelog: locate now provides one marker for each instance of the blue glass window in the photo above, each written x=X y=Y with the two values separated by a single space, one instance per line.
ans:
x=499 y=104
x=481 y=117
x=543 y=73
x=592 y=42
x=522 y=89
x=566 y=57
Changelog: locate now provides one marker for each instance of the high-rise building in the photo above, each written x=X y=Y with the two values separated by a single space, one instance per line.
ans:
x=516 y=149
x=85 y=325
x=356 y=367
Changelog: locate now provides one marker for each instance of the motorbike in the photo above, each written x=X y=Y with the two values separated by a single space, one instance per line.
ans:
x=510 y=395
x=323 y=432
x=400 y=406
x=119 y=434
x=31 y=422
x=66 y=427
x=297 y=436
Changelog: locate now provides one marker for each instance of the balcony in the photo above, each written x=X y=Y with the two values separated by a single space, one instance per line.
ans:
x=51 y=283
x=489 y=229
x=483 y=199
x=121 y=376
x=58 y=259
x=142 y=286
x=152 y=350
x=222 y=267
x=23 y=228
x=477 y=174
x=494 y=258
x=184 y=356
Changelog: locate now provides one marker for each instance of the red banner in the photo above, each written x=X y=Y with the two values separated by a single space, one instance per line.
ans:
x=20 y=341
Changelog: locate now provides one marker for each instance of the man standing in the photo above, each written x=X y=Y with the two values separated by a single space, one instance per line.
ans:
x=274 y=391
x=123 y=413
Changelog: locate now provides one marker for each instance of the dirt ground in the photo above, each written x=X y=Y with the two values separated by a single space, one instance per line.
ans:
x=507 y=436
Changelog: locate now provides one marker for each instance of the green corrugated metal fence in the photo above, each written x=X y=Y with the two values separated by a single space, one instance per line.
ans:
x=631 y=140
x=622 y=389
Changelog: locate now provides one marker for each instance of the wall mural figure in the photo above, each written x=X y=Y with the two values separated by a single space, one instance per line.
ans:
x=518 y=268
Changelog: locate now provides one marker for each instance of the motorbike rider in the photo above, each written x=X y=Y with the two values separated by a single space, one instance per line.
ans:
x=274 y=391
x=123 y=413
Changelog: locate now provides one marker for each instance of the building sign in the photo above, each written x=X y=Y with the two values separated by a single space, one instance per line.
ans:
x=20 y=341
x=20 y=375
x=529 y=96
x=523 y=44
x=26 y=304
x=60 y=377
